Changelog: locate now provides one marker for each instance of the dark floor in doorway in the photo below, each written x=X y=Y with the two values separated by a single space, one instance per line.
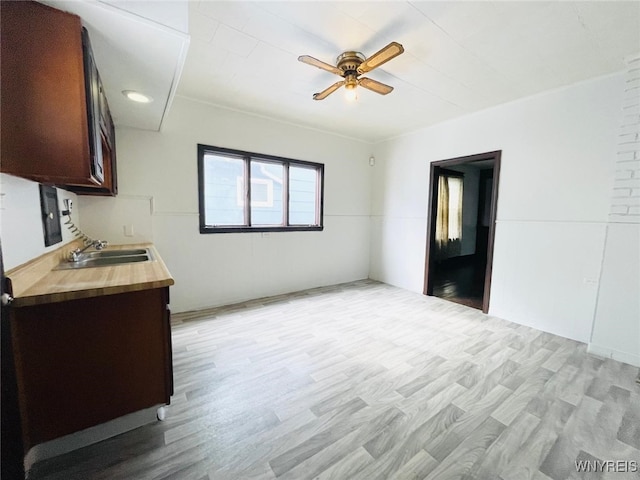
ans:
x=461 y=280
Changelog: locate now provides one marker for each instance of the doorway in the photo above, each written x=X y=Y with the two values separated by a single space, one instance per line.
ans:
x=463 y=196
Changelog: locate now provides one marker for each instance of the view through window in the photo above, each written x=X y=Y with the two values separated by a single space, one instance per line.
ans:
x=242 y=191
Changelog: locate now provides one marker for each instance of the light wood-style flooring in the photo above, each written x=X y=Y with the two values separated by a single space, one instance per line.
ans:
x=369 y=381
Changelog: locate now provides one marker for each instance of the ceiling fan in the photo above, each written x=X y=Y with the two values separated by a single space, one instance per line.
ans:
x=350 y=65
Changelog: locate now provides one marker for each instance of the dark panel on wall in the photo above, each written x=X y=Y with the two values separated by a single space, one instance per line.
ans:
x=50 y=215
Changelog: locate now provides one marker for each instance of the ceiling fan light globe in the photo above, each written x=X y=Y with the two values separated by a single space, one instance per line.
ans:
x=350 y=93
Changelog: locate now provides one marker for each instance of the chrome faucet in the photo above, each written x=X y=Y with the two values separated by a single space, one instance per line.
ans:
x=74 y=255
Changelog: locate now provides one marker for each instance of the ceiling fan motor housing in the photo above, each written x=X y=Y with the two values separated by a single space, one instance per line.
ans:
x=349 y=62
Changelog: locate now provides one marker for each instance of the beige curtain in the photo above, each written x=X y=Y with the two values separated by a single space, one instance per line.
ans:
x=442 y=216
x=449 y=217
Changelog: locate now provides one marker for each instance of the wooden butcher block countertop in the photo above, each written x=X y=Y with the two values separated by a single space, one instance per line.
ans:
x=36 y=282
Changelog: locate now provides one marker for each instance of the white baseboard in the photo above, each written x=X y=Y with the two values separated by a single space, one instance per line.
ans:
x=624 y=357
x=89 y=436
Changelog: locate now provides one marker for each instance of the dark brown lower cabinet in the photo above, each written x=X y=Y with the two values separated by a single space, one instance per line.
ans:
x=84 y=362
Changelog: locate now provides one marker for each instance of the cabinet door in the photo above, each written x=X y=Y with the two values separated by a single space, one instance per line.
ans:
x=93 y=91
x=114 y=161
x=45 y=132
x=169 y=348
x=107 y=145
x=83 y=362
x=109 y=186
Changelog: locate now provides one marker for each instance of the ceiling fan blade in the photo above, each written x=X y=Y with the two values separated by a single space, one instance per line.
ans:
x=383 y=56
x=328 y=91
x=374 y=86
x=319 y=64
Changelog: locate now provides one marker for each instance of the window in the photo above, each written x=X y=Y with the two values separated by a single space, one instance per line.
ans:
x=242 y=191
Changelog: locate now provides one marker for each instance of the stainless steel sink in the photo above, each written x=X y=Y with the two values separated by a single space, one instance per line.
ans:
x=107 y=258
x=115 y=253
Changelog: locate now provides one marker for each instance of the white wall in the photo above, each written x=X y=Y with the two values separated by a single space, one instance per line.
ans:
x=21 y=228
x=552 y=269
x=616 y=326
x=553 y=201
x=158 y=184
x=616 y=329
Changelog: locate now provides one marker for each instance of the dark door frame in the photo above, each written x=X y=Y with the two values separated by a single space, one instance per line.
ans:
x=431 y=218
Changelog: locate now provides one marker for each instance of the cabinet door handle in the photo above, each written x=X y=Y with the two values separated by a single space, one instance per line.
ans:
x=6 y=299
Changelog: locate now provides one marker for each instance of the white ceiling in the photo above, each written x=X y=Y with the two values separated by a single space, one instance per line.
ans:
x=459 y=57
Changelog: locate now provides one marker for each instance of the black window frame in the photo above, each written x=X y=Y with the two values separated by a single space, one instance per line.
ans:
x=247 y=157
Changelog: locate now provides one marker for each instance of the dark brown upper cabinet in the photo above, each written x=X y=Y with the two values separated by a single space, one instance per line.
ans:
x=52 y=127
x=104 y=140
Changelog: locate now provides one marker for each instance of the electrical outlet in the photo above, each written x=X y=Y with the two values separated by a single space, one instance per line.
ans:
x=128 y=230
x=68 y=204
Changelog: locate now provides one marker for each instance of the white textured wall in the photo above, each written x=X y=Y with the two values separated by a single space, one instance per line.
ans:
x=21 y=222
x=555 y=179
x=553 y=268
x=158 y=183
x=616 y=327
x=625 y=195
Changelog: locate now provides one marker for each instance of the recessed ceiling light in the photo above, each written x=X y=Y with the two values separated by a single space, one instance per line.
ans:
x=137 y=96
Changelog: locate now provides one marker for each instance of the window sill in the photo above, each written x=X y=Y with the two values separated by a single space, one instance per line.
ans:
x=295 y=228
